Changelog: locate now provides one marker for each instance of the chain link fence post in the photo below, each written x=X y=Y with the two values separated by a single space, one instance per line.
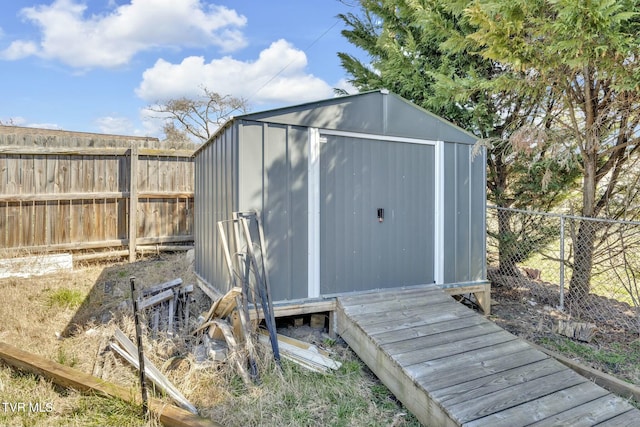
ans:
x=561 y=306
x=532 y=255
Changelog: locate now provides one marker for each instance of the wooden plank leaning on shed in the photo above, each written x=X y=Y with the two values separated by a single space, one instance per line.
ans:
x=65 y=376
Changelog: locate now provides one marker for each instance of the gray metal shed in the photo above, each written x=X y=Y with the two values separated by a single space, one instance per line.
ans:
x=356 y=193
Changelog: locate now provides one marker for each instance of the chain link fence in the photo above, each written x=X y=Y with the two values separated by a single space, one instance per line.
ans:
x=587 y=269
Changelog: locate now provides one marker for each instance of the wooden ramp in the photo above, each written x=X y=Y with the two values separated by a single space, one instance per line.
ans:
x=452 y=367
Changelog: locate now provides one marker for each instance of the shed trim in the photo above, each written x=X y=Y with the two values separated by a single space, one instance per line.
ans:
x=438 y=219
x=316 y=136
x=376 y=137
x=313 y=170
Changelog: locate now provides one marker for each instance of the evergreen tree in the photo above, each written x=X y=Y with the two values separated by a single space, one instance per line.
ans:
x=420 y=50
x=588 y=53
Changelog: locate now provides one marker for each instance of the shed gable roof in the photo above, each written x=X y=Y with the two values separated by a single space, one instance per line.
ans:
x=377 y=112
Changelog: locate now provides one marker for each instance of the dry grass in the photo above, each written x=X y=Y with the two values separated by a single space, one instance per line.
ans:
x=70 y=317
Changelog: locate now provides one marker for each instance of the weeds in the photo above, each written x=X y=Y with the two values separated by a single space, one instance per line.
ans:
x=612 y=359
x=35 y=402
x=295 y=396
x=65 y=298
x=64 y=358
x=112 y=412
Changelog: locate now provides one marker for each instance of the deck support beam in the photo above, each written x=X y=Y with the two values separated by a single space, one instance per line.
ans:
x=482 y=293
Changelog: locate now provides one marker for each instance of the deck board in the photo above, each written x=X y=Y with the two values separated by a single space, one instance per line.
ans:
x=451 y=366
x=446 y=336
x=452 y=348
x=465 y=391
x=403 y=331
x=538 y=410
x=590 y=413
x=409 y=318
x=627 y=419
x=458 y=362
x=416 y=314
x=451 y=374
x=520 y=394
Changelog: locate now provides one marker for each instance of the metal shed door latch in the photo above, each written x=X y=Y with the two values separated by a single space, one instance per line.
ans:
x=380 y=214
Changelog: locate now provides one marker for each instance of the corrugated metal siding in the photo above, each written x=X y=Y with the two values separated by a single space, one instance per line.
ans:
x=478 y=262
x=273 y=181
x=463 y=214
x=358 y=176
x=215 y=199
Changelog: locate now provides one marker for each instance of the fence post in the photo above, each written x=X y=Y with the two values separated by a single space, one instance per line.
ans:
x=133 y=202
x=561 y=263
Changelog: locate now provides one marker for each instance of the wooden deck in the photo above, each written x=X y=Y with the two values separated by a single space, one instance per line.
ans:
x=452 y=367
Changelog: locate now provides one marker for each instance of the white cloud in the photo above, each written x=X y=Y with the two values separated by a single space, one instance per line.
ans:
x=112 y=39
x=277 y=75
x=152 y=123
x=114 y=125
x=13 y=121
x=19 y=49
x=23 y=122
x=347 y=87
x=44 y=126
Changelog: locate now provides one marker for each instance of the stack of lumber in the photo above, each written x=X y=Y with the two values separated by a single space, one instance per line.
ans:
x=304 y=354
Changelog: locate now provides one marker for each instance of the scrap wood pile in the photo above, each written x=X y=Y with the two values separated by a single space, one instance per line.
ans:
x=226 y=333
x=224 y=323
x=229 y=319
x=166 y=306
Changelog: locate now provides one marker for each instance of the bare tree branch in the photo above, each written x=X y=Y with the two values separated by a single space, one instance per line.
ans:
x=198 y=118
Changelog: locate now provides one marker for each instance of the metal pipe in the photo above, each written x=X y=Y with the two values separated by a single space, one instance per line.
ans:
x=561 y=263
x=143 y=384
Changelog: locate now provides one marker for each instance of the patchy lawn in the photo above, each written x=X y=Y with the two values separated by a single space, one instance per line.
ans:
x=70 y=318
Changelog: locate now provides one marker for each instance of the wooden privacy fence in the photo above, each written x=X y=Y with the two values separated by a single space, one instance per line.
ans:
x=95 y=199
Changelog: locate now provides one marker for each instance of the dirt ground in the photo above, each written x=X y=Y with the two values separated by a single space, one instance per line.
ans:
x=532 y=316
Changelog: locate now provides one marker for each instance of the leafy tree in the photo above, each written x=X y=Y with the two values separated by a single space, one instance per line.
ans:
x=198 y=117
x=588 y=53
x=419 y=49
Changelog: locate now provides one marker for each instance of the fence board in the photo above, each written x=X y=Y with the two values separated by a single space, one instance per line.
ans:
x=40 y=166
x=3 y=172
x=40 y=222
x=54 y=198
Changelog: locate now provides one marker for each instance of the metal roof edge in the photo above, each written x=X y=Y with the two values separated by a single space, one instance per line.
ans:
x=218 y=131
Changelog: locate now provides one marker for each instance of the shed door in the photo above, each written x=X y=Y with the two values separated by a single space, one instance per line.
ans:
x=358 y=177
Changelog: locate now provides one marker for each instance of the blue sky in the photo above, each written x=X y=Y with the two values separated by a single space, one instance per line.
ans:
x=95 y=65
